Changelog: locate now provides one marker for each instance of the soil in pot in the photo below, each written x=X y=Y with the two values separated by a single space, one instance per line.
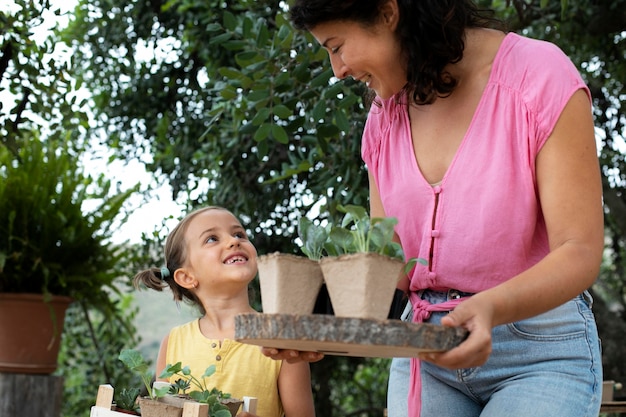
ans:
x=289 y=284
x=124 y=411
x=361 y=285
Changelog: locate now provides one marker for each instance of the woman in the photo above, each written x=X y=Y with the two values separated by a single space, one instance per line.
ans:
x=482 y=144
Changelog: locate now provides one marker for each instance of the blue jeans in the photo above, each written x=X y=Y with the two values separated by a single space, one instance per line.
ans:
x=545 y=366
x=399 y=379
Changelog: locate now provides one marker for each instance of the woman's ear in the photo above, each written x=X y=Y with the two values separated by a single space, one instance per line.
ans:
x=185 y=279
x=390 y=14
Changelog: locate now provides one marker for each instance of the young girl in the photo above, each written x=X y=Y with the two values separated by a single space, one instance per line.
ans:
x=210 y=262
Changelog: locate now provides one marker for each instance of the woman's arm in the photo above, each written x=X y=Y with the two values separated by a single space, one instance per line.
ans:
x=570 y=191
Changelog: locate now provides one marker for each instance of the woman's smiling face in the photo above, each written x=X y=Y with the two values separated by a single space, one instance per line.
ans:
x=368 y=54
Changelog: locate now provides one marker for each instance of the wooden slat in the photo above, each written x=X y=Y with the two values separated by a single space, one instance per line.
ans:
x=30 y=395
x=105 y=396
x=613 y=407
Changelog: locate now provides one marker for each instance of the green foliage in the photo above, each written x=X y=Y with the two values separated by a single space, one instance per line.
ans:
x=201 y=393
x=37 y=86
x=89 y=349
x=134 y=361
x=127 y=399
x=50 y=242
x=313 y=237
x=261 y=121
x=198 y=390
x=356 y=233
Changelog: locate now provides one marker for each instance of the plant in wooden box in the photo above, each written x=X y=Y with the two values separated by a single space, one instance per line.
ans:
x=135 y=362
x=168 y=400
x=53 y=248
x=126 y=401
x=364 y=264
x=221 y=404
x=290 y=283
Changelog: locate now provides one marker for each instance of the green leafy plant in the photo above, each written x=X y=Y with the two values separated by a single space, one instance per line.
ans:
x=356 y=233
x=126 y=399
x=135 y=362
x=203 y=394
x=360 y=233
x=313 y=237
x=56 y=224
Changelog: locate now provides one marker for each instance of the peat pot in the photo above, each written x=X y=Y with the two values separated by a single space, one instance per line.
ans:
x=361 y=285
x=289 y=284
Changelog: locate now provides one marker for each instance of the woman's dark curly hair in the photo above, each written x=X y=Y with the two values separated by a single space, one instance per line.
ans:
x=431 y=32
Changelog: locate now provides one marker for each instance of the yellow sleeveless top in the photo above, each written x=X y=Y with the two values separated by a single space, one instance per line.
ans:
x=241 y=369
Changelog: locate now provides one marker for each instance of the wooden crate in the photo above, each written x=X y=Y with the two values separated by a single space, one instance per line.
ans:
x=104 y=402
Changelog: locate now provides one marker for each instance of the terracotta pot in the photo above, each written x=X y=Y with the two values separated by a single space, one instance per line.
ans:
x=30 y=331
x=289 y=283
x=361 y=285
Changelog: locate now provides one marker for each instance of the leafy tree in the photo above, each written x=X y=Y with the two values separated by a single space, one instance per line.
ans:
x=39 y=102
x=237 y=109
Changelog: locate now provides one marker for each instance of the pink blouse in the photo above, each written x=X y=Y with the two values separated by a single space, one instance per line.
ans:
x=483 y=224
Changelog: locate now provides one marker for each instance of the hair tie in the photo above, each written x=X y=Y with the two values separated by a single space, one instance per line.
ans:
x=164 y=273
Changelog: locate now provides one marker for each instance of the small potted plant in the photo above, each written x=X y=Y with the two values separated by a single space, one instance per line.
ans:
x=167 y=400
x=364 y=264
x=56 y=225
x=290 y=283
x=126 y=401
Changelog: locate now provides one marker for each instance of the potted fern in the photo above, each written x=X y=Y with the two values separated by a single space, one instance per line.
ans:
x=54 y=249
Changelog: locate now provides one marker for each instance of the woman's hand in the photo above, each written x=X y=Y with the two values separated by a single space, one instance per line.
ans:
x=476 y=315
x=292 y=356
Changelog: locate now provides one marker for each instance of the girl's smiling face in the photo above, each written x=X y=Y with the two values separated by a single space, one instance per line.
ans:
x=368 y=54
x=218 y=248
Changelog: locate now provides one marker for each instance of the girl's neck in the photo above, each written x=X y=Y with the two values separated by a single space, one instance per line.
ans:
x=219 y=322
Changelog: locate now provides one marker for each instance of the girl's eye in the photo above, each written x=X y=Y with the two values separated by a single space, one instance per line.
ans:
x=241 y=235
x=211 y=239
x=334 y=50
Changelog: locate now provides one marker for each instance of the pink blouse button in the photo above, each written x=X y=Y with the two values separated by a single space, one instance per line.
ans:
x=431 y=278
x=434 y=233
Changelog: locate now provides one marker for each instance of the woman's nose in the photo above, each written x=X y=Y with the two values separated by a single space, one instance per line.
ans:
x=340 y=69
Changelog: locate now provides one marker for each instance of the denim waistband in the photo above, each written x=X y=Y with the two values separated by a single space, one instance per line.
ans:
x=442 y=296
